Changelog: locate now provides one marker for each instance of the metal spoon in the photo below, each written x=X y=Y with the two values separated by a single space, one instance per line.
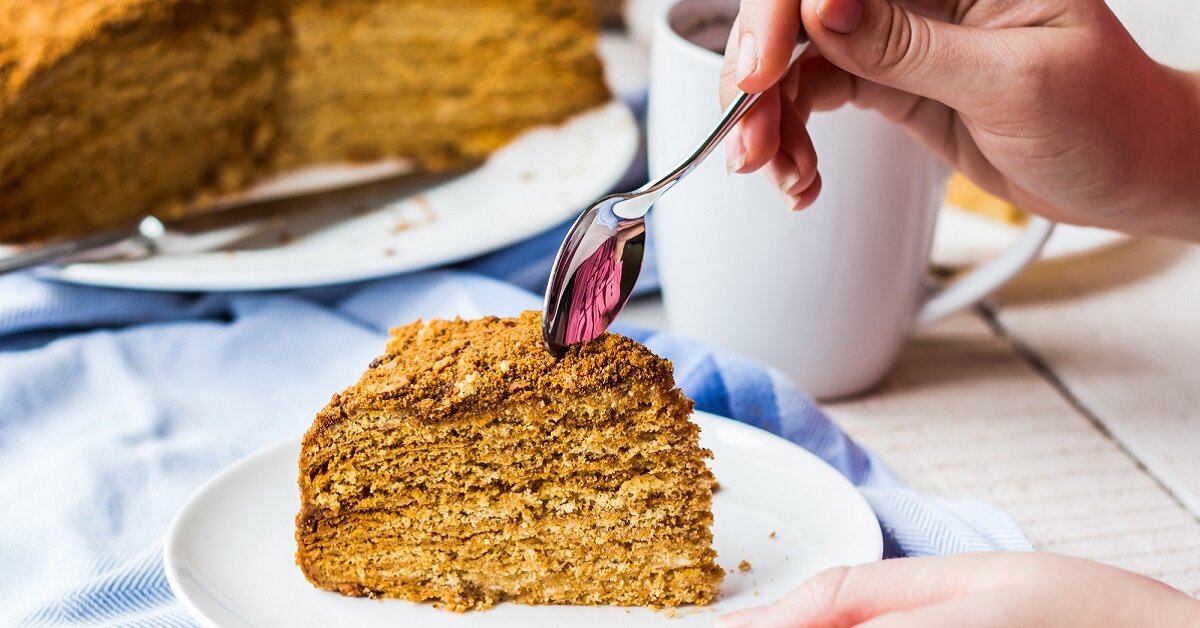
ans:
x=601 y=257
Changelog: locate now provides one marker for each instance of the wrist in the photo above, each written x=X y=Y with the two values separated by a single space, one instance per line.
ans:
x=1181 y=201
x=1192 y=171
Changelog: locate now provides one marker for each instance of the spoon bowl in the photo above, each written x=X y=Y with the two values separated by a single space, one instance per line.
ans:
x=600 y=261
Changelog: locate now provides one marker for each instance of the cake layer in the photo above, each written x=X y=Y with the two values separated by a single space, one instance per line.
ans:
x=550 y=565
x=499 y=440
x=498 y=560
x=426 y=528
x=615 y=490
x=602 y=424
x=578 y=578
x=497 y=556
x=659 y=523
x=467 y=514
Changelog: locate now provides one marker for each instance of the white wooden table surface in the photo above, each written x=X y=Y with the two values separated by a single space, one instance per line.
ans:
x=1072 y=400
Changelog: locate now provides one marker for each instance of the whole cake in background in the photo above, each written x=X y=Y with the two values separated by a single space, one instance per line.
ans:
x=112 y=109
x=468 y=466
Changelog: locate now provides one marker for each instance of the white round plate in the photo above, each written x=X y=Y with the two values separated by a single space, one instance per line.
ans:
x=539 y=180
x=229 y=555
x=964 y=238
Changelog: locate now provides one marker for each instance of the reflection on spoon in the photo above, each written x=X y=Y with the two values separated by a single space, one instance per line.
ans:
x=595 y=292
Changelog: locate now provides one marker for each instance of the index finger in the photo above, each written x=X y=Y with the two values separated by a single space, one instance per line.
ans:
x=848 y=596
x=766 y=35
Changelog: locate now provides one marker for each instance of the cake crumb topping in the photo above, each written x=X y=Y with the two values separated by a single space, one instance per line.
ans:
x=442 y=367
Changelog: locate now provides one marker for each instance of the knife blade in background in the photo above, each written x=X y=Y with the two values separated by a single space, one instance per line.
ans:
x=233 y=226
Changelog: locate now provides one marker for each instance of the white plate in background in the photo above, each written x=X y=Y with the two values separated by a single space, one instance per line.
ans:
x=964 y=238
x=229 y=555
x=539 y=180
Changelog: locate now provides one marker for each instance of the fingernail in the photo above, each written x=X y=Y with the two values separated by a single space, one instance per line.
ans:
x=747 y=60
x=807 y=196
x=735 y=151
x=788 y=182
x=840 y=16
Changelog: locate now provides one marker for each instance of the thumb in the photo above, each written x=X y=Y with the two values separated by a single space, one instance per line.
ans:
x=884 y=42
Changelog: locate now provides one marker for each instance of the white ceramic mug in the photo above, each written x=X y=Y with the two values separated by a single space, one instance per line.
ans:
x=826 y=295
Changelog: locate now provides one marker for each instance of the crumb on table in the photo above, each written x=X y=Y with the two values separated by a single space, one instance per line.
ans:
x=744 y=566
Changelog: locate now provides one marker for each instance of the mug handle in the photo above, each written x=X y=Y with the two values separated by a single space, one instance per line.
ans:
x=946 y=299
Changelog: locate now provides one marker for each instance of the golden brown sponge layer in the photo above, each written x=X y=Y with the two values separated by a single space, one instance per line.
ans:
x=445 y=476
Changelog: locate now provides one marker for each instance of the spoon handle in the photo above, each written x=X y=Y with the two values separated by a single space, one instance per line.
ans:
x=733 y=114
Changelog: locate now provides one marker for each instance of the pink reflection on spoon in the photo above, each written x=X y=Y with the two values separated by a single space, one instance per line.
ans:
x=595 y=294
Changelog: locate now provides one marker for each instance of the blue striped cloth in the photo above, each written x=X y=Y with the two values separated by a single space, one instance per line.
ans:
x=115 y=406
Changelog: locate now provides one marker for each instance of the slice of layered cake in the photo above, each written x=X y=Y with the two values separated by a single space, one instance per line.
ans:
x=469 y=467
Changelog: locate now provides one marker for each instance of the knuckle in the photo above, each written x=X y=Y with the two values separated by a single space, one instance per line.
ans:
x=727 y=72
x=906 y=45
x=1032 y=68
x=1032 y=78
x=790 y=85
x=824 y=589
x=728 y=84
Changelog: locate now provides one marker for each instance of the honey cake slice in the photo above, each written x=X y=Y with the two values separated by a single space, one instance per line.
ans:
x=469 y=467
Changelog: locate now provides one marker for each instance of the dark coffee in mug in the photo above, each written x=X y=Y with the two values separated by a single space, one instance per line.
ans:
x=705 y=23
